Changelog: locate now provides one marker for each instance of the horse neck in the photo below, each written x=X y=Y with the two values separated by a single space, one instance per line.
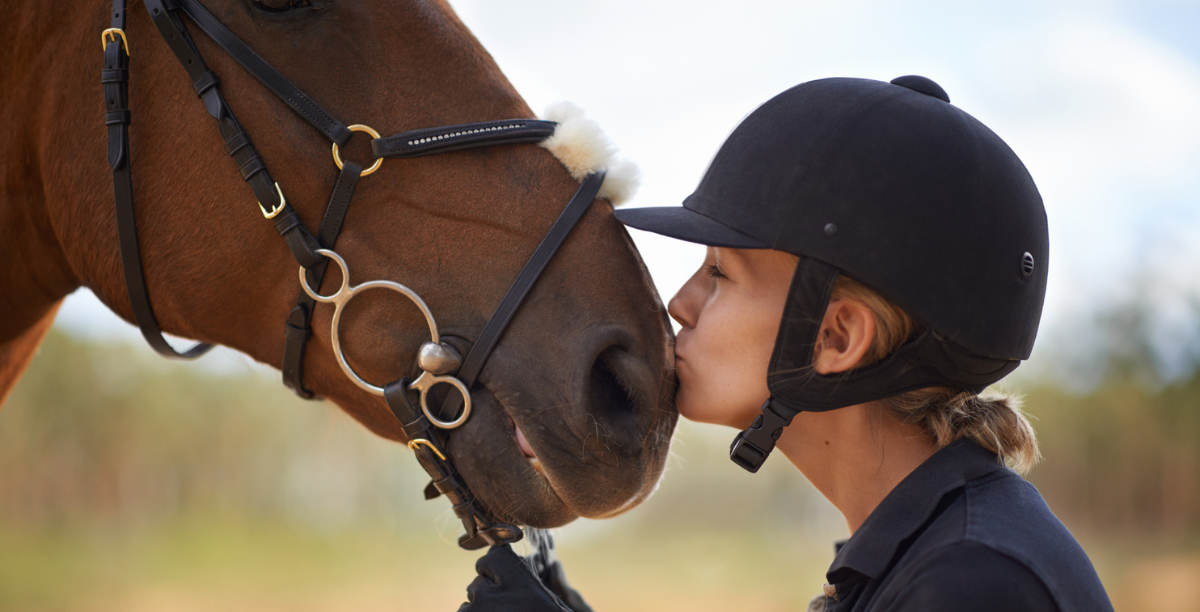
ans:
x=56 y=209
x=45 y=46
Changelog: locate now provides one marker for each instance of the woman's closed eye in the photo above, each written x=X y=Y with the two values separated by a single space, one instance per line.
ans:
x=715 y=271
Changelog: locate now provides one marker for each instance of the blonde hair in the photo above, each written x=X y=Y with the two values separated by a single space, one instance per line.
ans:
x=995 y=422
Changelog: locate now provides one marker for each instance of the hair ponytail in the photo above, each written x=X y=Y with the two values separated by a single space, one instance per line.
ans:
x=994 y=421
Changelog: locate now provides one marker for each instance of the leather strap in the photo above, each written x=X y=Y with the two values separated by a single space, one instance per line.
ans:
x=205 y=83
x=426 y=444
x=304 y=106
x=428 y=141
x=494 y=329
x=298 y=329
x=115 y=78
x=795 y=387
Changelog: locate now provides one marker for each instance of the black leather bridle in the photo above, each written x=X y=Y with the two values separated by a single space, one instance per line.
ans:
x=313 y=252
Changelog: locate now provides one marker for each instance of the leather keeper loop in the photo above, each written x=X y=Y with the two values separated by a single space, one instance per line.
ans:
x=116 y=75
x=297 y=334
x=466 y=509
x=117 y=117
x=253 y=166
x=287 y=221
x=237 y=142
x=302 y=245
x=207 y=81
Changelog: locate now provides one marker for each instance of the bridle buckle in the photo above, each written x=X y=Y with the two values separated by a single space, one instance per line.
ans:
x=270 y=214
x=111 y=34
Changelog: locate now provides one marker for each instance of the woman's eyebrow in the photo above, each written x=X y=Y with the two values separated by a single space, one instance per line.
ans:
x=725 y=252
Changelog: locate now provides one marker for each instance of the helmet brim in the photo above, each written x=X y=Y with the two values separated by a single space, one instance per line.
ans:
x=684 y=224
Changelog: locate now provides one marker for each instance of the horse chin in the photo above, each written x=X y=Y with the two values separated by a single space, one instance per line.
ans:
x=582 y=464
x=507 y=483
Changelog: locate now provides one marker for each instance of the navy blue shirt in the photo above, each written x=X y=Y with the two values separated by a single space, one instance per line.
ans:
x=963 y=533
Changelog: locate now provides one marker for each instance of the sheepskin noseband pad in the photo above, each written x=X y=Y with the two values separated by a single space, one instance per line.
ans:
x=581 y=146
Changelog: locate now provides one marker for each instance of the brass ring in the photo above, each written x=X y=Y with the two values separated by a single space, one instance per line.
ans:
x=358 y=127
x=413 y=444
x=113 y=32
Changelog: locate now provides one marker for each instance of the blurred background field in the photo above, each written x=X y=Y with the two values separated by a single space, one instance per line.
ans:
x=130 y=483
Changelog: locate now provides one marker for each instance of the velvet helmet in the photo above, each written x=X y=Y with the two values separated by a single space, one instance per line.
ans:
x=894 y=187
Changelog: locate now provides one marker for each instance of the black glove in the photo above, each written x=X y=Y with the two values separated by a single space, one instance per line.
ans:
x=509 y=583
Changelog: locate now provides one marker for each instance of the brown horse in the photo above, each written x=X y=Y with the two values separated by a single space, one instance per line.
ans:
x=584 y=370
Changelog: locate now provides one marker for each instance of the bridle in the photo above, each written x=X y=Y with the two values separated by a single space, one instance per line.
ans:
x=439 y=363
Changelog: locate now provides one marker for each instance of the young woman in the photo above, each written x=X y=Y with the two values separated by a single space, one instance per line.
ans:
x=876 y=259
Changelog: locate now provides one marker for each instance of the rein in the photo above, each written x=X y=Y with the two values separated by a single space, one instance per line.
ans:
x=439 y=363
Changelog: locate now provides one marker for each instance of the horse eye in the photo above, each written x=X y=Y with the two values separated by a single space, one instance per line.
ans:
x=280 y=6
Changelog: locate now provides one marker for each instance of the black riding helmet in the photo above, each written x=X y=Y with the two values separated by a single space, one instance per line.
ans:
x=891 y=185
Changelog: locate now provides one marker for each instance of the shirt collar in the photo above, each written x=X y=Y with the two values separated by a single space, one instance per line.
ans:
x=909 y=505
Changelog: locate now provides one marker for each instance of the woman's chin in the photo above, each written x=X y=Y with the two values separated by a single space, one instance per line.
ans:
x=712 y=414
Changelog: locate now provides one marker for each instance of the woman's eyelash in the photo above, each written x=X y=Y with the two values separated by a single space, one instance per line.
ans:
x=715 y=271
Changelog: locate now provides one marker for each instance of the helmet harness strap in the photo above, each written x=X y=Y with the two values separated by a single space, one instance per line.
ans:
x=926 y=360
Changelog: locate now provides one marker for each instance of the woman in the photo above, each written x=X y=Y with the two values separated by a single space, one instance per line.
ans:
x=876 y=258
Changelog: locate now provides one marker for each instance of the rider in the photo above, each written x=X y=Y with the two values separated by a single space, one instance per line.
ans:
x=876 y=259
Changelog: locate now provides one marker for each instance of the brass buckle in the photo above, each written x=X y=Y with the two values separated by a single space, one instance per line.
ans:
x=277 y=209
x=413 y=444
x=358 y=127
x=111 y=34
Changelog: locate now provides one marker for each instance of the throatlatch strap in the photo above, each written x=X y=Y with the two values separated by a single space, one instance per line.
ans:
x=297 y=329
x=115 y=78
x=483 y=346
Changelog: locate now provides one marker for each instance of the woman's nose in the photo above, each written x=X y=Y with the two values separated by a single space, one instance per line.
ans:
x=682 y=306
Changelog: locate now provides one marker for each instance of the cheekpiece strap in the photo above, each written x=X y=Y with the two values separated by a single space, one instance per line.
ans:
x=298 y=327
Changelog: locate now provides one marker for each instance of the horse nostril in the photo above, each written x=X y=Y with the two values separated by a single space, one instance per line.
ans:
x=610 y=389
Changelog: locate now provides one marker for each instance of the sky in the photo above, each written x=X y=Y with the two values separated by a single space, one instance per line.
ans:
x=1100 y=99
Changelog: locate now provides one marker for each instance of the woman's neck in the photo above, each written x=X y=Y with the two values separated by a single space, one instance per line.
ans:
x=855 y=455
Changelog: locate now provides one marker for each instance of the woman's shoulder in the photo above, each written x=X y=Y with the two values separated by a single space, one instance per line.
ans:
x=998 y=546
x=967 y=575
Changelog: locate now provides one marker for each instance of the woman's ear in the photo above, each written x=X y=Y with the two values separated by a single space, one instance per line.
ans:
x=845 y=337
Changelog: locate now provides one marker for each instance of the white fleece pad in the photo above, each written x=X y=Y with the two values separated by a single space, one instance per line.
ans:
x=580 y=144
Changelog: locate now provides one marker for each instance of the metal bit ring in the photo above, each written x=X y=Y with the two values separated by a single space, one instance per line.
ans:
x=427 y=380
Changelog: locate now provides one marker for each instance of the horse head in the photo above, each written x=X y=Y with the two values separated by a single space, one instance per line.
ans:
x=584 y=371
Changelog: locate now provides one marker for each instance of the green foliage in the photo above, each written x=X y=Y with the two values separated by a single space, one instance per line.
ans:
x=1122 y=457
x=109 y=434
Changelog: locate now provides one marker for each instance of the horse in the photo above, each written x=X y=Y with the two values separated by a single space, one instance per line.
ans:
x=584 y=373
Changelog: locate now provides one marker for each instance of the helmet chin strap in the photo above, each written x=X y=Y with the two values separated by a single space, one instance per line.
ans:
x=927 y=360
x=808 y=297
